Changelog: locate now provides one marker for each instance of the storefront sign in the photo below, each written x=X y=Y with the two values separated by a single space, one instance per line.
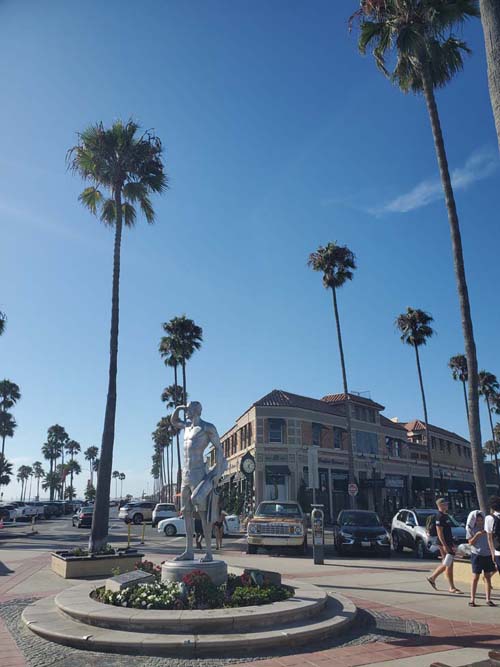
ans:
x=394 y=482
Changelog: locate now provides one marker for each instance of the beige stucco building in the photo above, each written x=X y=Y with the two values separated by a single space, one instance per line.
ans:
x=390 y=457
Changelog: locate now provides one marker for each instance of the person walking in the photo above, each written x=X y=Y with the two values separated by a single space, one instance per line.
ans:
x=219 y=526
x=445 y=539
x=492 y=527
x=481 y=560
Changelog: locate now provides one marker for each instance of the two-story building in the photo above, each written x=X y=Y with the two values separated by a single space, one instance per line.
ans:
x=391 y=465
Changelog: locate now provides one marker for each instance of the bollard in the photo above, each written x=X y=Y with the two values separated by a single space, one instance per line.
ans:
x=143 y=529
x=318 y=534
x=128 y=529
x=33 y=518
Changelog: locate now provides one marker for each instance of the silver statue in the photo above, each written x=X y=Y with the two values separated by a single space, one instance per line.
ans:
x=198 y=483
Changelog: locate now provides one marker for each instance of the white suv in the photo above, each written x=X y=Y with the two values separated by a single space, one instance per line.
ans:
x=137 y=512
x=163 y=511
x=409 y=530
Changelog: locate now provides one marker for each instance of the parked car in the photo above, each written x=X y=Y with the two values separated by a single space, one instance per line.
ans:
x=83 y=517
x=25 y=511
x=360 y=530
x=41 y=509
x=163 y=511
x=10 y=512
x=177 y=526
x=409 y=530
x=277 y=524
x=137 y=512
x=54 y=509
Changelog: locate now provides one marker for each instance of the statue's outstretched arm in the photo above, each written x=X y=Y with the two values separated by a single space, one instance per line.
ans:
x=175 y=419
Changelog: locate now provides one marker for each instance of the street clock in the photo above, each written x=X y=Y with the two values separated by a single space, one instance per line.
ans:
x=247 y=465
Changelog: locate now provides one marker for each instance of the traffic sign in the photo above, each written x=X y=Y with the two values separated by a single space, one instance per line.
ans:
x=352 y=489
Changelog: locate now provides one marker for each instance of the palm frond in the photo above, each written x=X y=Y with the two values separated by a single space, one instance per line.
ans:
x=129 y=214
x=108 y=212
x=91 y=197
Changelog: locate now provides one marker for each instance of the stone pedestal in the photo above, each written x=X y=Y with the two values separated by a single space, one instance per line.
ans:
x=176 y=570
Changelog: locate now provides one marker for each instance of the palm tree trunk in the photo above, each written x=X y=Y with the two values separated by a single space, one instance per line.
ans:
x=465 y=399
x=494 y=441
x=426 y=421
x=91 y=472
x=38 y=489
x=51 y=487
x=100 y=520
x=184 y=394
x=490 y=17
x=463 y=293
x=179 y=467
x=350 y=444
x=63 y=480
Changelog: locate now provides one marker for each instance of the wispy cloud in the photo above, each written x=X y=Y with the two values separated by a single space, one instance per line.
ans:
x=478 y=166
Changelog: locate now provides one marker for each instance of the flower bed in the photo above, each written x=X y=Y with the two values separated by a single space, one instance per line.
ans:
x=197 y=591
x=79 y=563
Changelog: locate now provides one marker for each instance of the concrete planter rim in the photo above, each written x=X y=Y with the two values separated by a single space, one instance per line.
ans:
x=64 y=555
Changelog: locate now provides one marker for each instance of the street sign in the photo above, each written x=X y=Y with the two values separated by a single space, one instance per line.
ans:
x=352 y=489
x=312 y=464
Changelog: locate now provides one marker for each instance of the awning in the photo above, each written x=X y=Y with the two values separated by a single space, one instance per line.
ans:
x=277 y=470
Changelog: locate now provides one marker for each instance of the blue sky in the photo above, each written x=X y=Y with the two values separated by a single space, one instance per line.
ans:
x=278 y=137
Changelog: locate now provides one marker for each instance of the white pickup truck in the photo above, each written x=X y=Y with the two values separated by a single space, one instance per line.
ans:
x=25 y=511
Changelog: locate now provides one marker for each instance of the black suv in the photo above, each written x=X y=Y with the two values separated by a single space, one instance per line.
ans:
x=360 y=530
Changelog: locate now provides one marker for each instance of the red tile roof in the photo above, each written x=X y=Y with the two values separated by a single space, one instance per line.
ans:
x=277 y=398
x=338 y=398
x=419 y=425
x=390 y=424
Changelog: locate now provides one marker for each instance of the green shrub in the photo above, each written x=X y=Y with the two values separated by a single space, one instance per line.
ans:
x=248 y=596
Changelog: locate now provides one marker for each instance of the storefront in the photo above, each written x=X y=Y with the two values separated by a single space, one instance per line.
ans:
x=396 y=495
x=277 y=482
x=340 y=497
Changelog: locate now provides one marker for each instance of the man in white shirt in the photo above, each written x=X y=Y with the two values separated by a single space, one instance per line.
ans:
x=492 y=528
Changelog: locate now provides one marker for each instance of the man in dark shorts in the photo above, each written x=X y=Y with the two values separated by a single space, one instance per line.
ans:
x=445 y=539
x=481 y=560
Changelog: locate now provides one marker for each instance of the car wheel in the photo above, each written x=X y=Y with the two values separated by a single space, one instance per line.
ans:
x=138 y=518
x=153 y=524
x=170 y=530
x=420 y=550
x=396 y=544
x=251 y=548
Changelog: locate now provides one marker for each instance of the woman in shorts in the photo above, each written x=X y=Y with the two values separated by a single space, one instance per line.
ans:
x=480 y=556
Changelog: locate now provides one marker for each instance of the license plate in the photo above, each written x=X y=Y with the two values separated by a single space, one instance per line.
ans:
x=366 y=544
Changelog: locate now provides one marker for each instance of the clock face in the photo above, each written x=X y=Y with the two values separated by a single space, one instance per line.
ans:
x=248 y=466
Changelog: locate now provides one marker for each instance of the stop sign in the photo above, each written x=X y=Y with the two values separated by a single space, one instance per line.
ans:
x=352 y=489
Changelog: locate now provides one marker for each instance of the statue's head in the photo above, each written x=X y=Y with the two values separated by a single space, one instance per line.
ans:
x=194 y=409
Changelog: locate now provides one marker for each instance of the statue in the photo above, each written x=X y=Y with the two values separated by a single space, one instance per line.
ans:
x=198 y=484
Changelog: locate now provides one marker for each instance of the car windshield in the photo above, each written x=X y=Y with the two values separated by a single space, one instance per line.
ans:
x=367 y=519
x=279 y=509
x=87 y=510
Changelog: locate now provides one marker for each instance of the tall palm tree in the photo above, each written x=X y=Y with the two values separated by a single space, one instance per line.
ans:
x=123 y=169
x=337 y=264
x=490 y=17
x=3 y=322
x=73 y=468
x=9 y=396
x=23 y=474
x=90 y=455
x=415 y=328
x=38 y=472
x=57 y=438
x=169 y=352
x=488 y=389
x=5 y=471
x=458 y=366
x=162 y=438
x=7 y=427
x=490 y=448
x=186 y=337
x=116 y=477
x=72 y=447
x=122 y=478
x=427 y=56
x=52 y=482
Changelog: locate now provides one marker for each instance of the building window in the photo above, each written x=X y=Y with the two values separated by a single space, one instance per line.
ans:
x=316 y=434
x=276 y=430
x=433 y=442
x=366 y=442
x=337 y=438
x=441 y=445
x=459 y=450
x=394 y=447
x=448 y=447
x=364 y=414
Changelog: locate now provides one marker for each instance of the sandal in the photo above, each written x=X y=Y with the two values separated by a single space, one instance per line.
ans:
x=432 y=583
x=490 y=603
x=456 y=591
x=472 y=604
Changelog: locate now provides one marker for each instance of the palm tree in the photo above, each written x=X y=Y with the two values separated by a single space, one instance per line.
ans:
x=162 y=438
x=123 y=169
x=73 y=468
x=491 y=448
x=337 y=264
x=23 y=474
x=52 y=483
x=185 y=338
x=5 y=471
x=90 y=455
x=57 y=439
x=490 y=17
x=427 y=56
x=116 y=477
x=7 y=427
x=9 y=396
x=458 y=366
x=38 y=472
x=488 y=389
x=415 y=328
x=173 y=395
x=72 y=447
x=169 y=352
x=3 y=322
x=122 y=478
